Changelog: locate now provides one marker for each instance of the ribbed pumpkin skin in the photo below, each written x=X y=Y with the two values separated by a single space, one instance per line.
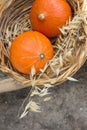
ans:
x=56 y=12
x=30 y=49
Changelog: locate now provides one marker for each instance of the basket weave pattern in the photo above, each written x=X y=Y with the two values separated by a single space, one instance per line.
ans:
x=70 y=48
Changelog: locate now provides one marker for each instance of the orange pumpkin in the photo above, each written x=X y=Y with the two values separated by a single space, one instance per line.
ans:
x=47 y=16
x=30 y=49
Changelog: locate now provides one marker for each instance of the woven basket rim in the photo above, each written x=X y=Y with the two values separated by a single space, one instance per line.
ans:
x=55 y=81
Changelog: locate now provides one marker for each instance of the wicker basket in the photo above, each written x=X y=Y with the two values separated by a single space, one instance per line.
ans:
x=70 y=47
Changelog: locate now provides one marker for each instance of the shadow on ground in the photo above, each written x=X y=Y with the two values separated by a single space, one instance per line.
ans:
x=67 y=110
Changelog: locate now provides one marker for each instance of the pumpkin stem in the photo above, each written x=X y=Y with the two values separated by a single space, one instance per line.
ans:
x=42 y=56
x=41 y=16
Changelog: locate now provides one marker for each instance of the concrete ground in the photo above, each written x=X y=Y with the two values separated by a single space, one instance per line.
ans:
x=67 y=110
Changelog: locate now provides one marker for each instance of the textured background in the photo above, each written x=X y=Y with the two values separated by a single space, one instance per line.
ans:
x=67 y=110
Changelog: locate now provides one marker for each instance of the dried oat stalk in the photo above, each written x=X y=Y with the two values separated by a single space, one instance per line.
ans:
x=68 y=47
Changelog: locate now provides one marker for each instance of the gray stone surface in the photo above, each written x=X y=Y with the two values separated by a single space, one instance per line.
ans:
x=67 y=110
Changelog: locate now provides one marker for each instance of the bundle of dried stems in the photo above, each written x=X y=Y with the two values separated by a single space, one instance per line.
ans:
x=70 y=47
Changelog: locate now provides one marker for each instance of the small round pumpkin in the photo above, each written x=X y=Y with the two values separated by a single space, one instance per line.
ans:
x=30 y=49
x=47 y=16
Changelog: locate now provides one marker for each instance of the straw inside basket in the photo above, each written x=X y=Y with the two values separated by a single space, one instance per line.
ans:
x=68 y=47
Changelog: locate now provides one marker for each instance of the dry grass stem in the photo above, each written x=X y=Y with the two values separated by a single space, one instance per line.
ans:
x=70 y=48
x=31 y=106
